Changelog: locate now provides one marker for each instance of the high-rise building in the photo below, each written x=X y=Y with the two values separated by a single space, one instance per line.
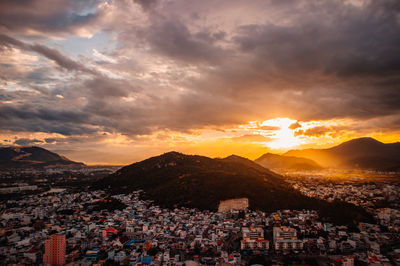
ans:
x=54 y=250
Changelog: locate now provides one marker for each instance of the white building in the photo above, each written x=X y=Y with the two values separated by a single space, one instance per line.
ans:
x=253 y=238
x=285 y=238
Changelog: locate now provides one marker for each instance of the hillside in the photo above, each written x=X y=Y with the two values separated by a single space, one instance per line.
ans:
x=174 y=179
x=248 y=163
x=275 y=161
x=17 y=157
x=365 y=153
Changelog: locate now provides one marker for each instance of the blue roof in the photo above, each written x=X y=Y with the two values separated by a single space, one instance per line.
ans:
x=133 y=241
x=147 y=260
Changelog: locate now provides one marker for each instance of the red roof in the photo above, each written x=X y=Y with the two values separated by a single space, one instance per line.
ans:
x=374 y=258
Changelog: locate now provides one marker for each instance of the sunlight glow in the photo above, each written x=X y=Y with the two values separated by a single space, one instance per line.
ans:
x=282 y=138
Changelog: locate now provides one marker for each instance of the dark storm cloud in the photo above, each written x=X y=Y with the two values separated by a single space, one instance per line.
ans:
x=306 y=60
x=331 y=60
x=172 y=38
x=46 y=15
x=104 y=87
x=332 y=38
x=44 y=119
x=360 y=100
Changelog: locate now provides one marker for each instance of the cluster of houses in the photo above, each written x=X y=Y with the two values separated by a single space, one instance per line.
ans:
x=20 y=180
x=365 y=194
x=19 y=188
x=382 y=199
x=71 y=228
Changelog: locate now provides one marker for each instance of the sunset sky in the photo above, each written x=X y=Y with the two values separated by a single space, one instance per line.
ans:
x=118 y=81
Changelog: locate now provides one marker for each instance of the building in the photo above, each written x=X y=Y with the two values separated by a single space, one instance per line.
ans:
x=252 y=233
x=54 y=250
x=109 y=232
x=253 y=238
x=285 y=238
x=344 y=261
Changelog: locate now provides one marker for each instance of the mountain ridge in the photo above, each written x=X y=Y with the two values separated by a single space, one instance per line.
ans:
x=365 y=153
x=33 y=157
x=275 y=161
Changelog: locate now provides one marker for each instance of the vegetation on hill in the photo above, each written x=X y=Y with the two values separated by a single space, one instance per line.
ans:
x=174 y=179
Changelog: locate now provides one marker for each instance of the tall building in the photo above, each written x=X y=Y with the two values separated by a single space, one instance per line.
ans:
x=285 y=238
x=54 y=250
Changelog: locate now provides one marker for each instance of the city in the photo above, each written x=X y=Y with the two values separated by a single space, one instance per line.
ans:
x=96 y=228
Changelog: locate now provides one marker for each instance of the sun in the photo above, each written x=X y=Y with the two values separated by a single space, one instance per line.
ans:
x=282 y=137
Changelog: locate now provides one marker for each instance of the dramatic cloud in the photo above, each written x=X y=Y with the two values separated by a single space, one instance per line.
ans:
x=128 y=72
x=45 y=15
x=314 y=132
x=173 y=39
x=49 y=53
x=295 y=125
x=24 y=141
x=146 y=4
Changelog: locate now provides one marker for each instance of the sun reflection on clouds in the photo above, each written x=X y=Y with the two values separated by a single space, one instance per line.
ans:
x=256 y=137
x=284 y=133
x=283 y=138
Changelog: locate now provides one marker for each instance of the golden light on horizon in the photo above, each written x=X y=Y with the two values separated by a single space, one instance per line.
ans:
x=250 y=140
x=283 y=137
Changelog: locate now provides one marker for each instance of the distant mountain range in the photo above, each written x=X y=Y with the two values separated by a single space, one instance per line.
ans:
x=33 y=157
x=279 y=162
x=174 y=179
x=364 y=153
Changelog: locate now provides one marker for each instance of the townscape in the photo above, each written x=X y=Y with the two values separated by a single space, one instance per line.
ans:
x=37 y=180
x=200 y=132
x=94 y=227
x=381 y=198
x=369 y=195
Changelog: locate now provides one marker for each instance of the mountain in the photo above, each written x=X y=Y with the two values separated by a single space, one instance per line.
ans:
x=36 y=157
x=174 y=179
x=365 y=153
x=275 y=161
x=248 y=163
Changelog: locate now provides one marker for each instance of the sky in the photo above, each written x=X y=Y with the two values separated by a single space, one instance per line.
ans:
x=117 y=81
